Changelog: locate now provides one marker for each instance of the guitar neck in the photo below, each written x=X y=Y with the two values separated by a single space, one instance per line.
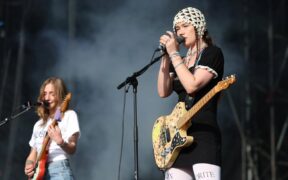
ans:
x=183 y=120
x=46 y=141
x=57 y=116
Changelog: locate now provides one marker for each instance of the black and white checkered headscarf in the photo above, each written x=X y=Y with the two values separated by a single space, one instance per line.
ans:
x=193 y=16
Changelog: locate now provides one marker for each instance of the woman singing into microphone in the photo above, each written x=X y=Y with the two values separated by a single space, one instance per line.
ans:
x=191 y=77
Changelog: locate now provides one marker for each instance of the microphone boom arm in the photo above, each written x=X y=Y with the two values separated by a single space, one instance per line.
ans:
x=130 y=79
x=25 y=109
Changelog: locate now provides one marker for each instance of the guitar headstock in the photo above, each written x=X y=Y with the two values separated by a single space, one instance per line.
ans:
x=225 y=83
x=64 y=105
x=65 y=102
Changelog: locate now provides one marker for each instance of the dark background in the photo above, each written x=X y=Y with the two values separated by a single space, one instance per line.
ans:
x=95 y=44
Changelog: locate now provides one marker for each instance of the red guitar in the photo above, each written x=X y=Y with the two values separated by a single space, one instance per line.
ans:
x=43 y=155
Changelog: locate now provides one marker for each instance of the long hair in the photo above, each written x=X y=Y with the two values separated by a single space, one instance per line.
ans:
x=60 y=93
x=206 y=38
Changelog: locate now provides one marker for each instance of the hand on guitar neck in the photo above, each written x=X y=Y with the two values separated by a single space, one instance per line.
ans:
x=55 y=134
x=36 y=162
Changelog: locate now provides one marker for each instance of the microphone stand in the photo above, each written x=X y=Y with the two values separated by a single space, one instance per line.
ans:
x=25 y=109
x=132 y=80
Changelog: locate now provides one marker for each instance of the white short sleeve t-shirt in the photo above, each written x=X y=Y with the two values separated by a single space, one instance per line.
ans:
x=68 y=126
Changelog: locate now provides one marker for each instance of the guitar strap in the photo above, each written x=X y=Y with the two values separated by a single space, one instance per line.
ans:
x=189 y=100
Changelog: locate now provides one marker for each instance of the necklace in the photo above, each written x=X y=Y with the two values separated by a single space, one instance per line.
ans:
x=191 y=53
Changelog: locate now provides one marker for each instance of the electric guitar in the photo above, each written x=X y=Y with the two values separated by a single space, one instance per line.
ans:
x=169 y=134
x=43 y=155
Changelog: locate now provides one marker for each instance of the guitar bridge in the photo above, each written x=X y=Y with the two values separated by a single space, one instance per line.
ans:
x=166 y=151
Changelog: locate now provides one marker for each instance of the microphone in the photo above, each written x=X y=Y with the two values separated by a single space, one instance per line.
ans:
x=36 y=104
x=162 y=47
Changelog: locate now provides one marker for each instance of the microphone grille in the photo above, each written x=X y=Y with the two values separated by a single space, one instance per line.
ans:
x=180 y=39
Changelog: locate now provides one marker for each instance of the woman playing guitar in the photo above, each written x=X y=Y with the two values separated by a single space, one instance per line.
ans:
x=191 y=77
x=54 y=135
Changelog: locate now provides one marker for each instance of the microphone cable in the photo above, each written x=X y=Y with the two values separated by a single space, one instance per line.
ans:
x=122 y=128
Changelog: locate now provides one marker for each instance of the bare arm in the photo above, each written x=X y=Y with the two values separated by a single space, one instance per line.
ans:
x=191 y=82
x=30 y=163
x=164 y=84
x=70 y=146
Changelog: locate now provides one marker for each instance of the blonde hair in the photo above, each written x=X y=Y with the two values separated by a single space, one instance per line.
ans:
x=60 y=93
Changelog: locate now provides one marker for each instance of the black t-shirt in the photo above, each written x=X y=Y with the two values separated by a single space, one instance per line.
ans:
x=211 y=58
x=204 y=126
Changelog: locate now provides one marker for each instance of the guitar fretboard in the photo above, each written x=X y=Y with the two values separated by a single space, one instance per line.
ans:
x=183 y=120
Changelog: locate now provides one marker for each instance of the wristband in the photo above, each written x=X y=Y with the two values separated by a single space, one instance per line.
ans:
x=174 y=54
x=178 y=64
x=28 y=161
x=62 y=144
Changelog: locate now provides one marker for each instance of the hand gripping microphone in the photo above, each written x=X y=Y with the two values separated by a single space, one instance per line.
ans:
x=162 y=47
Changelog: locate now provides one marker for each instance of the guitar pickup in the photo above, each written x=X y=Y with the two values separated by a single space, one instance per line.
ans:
x=167 y=135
